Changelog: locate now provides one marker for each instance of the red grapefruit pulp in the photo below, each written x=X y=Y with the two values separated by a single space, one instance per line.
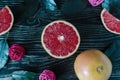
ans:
x=60 y=39
x=110 y=22
x=6 y=20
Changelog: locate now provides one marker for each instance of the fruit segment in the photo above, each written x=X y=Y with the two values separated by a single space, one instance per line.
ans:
x=110 y=22
x=6 y=20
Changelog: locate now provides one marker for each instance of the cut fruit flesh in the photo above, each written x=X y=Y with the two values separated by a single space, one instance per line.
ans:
x=60 y=39
x=6 y=20
x=110 y=22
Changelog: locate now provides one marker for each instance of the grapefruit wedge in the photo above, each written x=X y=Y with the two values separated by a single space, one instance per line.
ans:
x=6 y=20
x=110 y=22
x=60 y=39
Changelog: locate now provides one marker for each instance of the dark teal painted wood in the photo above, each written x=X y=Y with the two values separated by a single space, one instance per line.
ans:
x=30 y=19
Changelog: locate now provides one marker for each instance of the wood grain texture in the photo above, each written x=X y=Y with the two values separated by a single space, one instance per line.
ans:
x=27 y=32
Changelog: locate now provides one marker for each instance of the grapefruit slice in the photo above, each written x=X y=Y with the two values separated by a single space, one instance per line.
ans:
x=60 y=39
x=6 y=20
x=110 y=22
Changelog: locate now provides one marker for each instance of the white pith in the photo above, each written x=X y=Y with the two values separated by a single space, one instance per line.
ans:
x=61 y=38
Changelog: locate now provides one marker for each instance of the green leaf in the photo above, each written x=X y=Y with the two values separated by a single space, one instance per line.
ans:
x=22 y=75
x=5 y=78
x=19 y=75
x=113 y=52
x=3 y=53
x=50 y=5
x=113 y=6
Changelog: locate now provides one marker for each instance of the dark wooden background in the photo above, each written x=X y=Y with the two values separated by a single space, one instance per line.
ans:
x=30 y=19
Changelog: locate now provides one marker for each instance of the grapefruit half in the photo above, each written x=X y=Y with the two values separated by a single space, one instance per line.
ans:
x=110 y=22
x=60 y=39
x=6 y=20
